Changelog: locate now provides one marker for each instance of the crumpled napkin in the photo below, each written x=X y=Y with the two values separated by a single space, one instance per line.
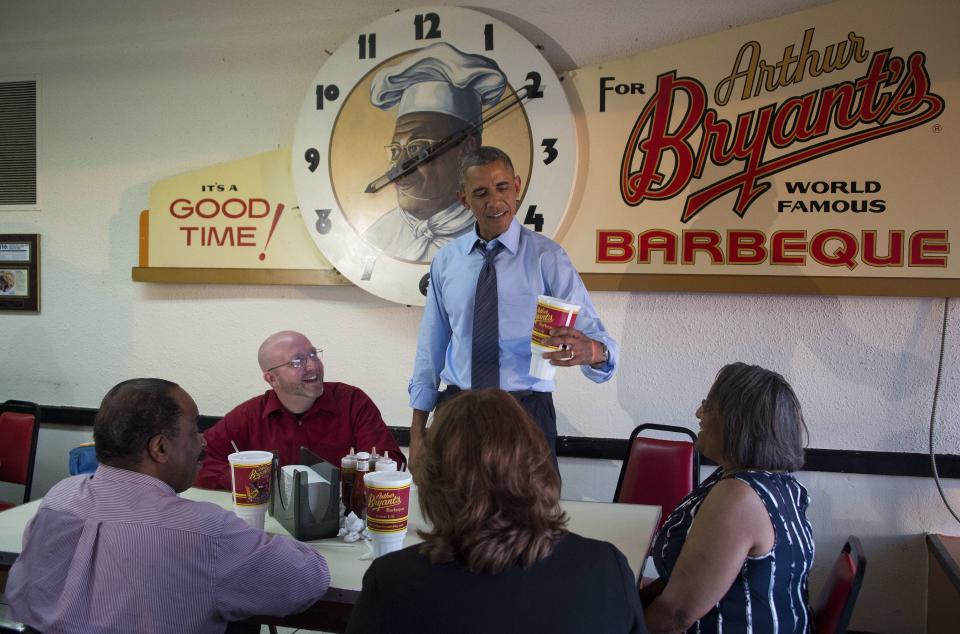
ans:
x=353 y=529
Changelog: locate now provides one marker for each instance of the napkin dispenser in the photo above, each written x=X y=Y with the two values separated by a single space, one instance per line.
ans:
x=308 y=510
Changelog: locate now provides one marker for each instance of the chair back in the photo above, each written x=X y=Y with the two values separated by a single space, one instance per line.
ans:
x=13 y=627
x=82 y=459
x=19 y=428
x=831 y=614
x=657 y=471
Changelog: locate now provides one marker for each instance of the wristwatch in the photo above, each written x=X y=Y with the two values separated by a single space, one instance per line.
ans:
x=606 y=354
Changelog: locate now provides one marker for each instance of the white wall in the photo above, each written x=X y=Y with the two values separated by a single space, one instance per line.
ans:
x=134 y=92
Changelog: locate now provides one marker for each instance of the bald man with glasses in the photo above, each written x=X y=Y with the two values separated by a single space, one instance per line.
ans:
x=299 y=409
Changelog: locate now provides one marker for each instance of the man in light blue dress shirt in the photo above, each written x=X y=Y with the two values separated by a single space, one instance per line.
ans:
x=528 y=265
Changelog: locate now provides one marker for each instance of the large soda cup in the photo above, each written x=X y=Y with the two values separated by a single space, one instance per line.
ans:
x=551 y=313
x=388 y=509
x=250 y=473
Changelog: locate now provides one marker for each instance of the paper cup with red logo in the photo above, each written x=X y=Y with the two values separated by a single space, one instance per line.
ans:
x=388 y=507
x=551 y=313
x=250 y=476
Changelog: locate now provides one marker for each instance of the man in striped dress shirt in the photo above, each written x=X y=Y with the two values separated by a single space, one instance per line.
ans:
x=120 y=551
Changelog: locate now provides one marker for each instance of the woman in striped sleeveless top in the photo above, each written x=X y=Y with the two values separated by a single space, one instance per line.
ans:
x=735 y=554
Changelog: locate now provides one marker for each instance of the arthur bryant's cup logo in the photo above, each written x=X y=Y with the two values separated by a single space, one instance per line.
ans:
x=384 y=500
x=660 y=160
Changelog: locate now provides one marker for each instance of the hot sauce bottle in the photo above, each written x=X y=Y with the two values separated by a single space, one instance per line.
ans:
x=348 y=468
x=359 y=496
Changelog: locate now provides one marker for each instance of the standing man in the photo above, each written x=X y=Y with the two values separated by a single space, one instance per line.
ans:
x=299 y=410
x=120 y=551
x=475 y=334
x=438 y=91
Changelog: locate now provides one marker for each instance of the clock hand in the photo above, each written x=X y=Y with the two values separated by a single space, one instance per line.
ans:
x=488 y=116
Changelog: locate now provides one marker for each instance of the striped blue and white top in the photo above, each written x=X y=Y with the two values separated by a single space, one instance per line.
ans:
x=770 y=593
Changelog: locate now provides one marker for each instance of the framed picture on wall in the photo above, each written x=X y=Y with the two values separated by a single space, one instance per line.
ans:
x=20 y=272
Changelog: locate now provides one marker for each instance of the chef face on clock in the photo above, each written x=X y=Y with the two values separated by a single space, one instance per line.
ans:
x=432 y=186
x=439 y=91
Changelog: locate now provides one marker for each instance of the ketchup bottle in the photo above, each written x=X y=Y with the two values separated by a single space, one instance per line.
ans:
x=348 y=469
x=359 y=497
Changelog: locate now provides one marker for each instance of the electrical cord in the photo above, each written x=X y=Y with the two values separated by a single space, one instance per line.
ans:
x=933 y=412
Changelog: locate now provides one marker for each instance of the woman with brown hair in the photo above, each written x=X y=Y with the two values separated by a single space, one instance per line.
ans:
x=736 y=552
x=498 y=557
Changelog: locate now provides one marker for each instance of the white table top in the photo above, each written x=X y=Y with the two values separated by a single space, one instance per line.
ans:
x=629 y=527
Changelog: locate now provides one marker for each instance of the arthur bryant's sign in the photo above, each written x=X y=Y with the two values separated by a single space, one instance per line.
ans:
x=819 y=145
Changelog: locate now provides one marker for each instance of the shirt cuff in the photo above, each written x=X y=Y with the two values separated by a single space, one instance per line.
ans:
x=423 y=398
x=604 y=372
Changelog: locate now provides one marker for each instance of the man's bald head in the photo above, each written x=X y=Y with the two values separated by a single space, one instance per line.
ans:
x=272 y=345
x=296 y=387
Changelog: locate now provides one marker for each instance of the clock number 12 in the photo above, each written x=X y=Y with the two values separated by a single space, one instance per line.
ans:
x=432 y=20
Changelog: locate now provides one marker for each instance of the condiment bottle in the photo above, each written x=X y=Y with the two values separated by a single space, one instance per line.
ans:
x=348 y=469
x=359 y=496
x=386 y=463
x=374 y=456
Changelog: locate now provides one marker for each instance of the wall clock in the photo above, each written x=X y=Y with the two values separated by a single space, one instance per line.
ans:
x=384 y=122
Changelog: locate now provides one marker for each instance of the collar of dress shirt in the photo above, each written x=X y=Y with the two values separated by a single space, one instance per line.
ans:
x=326 y=403
x=127 y=477
x=510 y=239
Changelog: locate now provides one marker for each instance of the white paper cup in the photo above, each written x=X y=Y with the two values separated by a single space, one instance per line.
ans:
x=552 y=313
x=388 y=509
x=250 y=473
x=541 y=368
x=385 y=543
x=252 y=515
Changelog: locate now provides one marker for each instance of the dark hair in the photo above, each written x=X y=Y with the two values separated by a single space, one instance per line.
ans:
x=762 y=421
x=483 y=155
x=130 y=415
x=488 y=485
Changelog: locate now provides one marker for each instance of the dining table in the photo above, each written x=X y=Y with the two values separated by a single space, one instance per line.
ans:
x=629 y=527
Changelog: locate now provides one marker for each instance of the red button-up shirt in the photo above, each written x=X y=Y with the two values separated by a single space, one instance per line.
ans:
x=343 y=417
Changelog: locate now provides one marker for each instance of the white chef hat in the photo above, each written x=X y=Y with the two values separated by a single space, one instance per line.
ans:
x=440 y=78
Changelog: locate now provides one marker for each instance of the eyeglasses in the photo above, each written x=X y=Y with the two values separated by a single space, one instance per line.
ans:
x=298 y=362
x=413 y=147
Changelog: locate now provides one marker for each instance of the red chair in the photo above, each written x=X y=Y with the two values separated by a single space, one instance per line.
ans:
x=19 y=427
x=831 y=614
x=657 y=471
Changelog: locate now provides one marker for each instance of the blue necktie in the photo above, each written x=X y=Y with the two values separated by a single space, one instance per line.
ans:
x=485 y=366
